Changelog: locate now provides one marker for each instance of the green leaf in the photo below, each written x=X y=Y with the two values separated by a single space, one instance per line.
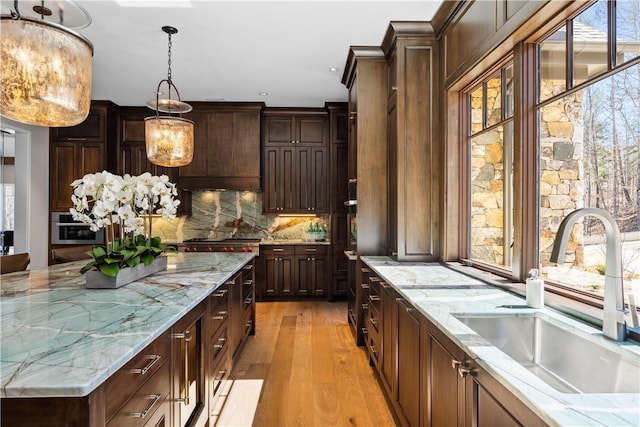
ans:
x=87 y=267
x=113 y=259
x=155 y=241
x=132 y=262
x=147 y=258
x=98 y=251
x=110 y=270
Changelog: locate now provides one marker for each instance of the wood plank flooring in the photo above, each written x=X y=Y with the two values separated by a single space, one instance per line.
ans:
x=309 y=371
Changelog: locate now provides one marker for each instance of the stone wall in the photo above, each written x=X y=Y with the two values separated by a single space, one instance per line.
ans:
x=487 y=178
x=562 y=172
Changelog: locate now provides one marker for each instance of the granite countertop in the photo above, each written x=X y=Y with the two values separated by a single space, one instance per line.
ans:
x=438 y=292
x=59 y=339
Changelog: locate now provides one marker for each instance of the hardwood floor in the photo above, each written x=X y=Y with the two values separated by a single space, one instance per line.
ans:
x=309 y=372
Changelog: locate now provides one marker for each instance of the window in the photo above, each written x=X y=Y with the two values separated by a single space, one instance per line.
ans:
x=589 y=142
x=490 y=142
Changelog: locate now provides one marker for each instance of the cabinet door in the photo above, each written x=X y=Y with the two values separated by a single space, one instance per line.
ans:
x=279 y=130
x=271 y=276
x=489 y=412
x=388 y=372
x=188 y=369
x=312 y=180
x=246 y=144
x=408 y=360
x=70 y=161
x=446 y=387
x=312 y=275
x=280 y=181
x=287 y=283
x=311 y=130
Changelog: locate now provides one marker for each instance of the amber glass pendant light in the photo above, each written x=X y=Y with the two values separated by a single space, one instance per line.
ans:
x=45 y=76
x=169 y=139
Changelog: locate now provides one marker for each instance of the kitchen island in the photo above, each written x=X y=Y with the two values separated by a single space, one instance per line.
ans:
x=439 y=297
x=61 y=340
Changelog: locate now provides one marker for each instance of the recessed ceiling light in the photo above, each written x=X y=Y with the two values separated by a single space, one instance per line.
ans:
x=334 y=69
x=263 y=93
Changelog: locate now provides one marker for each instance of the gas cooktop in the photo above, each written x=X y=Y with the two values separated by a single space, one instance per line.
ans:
x=224 y=241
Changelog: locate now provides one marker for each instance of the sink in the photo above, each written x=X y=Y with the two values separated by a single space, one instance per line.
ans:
x=564 y=359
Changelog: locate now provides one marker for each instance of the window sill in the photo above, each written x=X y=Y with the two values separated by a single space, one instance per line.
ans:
x=553 y=298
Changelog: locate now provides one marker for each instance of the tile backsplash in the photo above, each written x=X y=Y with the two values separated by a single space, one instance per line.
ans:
x=222 y=214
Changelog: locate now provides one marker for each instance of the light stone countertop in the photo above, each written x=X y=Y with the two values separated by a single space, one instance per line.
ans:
x=59 y=339
x=438 y=292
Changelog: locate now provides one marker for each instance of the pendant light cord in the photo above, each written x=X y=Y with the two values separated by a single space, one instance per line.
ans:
x=169 y=65
x=15 y=13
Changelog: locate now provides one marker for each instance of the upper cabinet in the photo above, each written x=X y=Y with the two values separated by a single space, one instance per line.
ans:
x=227 y=147
x=414 y=170
x=295 y=161
x=366 y=78
x=133 y=153
x=78 y=150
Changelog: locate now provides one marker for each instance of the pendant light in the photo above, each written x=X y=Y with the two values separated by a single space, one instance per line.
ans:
x=169 y=139
x=45 y=76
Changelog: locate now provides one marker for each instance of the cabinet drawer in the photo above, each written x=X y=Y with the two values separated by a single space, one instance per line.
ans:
x=218 y=310
x=219 y=343
x=277 y=250
x=219 y=376
x=124 y=383
x=219 y=299
x=146 y=401
x=311 y=249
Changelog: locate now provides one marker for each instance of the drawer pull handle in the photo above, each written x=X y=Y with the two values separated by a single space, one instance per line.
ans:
x=278 y=250
x=248 y=267
x=186 y=336
x=311 y=250
x=220 y=294
x=463 y=372
x=218 y=381
x=374 y=322
x=221 y=316
x=374 y=297
x=153 y=358
x=248 y=301
x=365 y=331
x=222 y=340
x=248 y=282
x=154 y=399
x=455 y=364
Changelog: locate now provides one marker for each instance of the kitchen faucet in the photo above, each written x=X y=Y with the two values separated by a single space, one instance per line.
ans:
x=613 y=323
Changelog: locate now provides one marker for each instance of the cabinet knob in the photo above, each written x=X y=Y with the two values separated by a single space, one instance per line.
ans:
x=394 y=87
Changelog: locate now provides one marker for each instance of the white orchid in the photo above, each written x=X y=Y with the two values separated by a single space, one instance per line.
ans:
x=104 y=199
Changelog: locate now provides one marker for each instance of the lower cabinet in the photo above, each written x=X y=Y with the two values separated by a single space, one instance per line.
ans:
x=408 y=379
x=175 y=381
x=291 y=271
x=428 y=379
x=188 y=367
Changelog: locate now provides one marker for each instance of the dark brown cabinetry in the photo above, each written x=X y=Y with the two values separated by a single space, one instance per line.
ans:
x=279 y=271
x=78 y=150
x=414 y=163
x=408 y=364
x=188 y=367
x=133 y=154
x=338 y=167
x=428 y=379
x=366 y=78
x=226 y=147
x=295 y=161
x=312 y=267
x=293 y=271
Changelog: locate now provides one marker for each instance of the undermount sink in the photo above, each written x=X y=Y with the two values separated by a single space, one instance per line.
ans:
x=565 y=360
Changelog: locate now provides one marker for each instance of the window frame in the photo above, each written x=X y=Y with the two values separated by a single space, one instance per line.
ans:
x=526 y=201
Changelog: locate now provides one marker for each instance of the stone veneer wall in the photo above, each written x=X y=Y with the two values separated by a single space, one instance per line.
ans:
x=561 y=179
x=222 y=214
x=562 y=171
x=487 y=179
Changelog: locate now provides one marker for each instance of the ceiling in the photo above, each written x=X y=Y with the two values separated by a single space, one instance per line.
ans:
x=234 y=50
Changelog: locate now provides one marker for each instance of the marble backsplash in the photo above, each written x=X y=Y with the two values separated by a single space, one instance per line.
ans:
x=223 y=214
